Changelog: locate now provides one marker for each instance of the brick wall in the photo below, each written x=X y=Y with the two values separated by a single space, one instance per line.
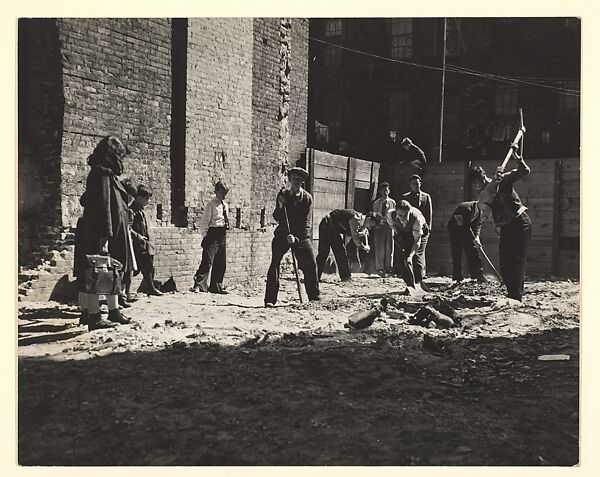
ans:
x=299 y=88
x=40 y=125
x=219 y=112
x=245 y=116
x=117 y=79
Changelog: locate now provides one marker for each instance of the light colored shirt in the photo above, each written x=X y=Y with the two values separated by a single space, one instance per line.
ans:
x=414 y=224
x=381 y=206
x=216 y=214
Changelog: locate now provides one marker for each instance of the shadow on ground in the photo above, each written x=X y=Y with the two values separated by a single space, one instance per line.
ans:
x=308 y=400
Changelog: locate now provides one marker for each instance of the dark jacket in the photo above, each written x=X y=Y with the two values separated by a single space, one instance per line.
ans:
x=104 y=216
x=466 y=215
x=421 y=201
x=140 y=234
x=299 y=210
x=506 y=204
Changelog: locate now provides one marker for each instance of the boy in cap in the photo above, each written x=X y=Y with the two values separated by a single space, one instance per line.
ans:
x=297 y=204
x=142 y=247
x=213 y=227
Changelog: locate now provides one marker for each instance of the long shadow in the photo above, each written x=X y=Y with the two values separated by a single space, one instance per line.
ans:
x=304 y=399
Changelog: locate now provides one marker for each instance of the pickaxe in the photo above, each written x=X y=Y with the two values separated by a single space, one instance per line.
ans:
x=287 y=222
x=518 y=139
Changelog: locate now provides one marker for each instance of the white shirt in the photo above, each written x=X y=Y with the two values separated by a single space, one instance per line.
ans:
x=216 y=214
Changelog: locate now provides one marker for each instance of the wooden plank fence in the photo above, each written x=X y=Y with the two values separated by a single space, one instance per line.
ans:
x=551 y=193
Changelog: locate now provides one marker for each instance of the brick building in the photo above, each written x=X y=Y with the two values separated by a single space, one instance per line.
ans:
x=196 y=99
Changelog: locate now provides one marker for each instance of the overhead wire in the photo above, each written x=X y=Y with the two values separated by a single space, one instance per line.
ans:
x=455 y=69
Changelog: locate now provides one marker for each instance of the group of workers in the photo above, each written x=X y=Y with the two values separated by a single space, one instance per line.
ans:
x=114 y=223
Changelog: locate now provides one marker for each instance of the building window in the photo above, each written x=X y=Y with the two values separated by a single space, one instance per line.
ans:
x=402 y=43
x=399 y=112
x=452 y=37
x=568 y=101
x=332 y=55
x=333 y=27
x=505 y=101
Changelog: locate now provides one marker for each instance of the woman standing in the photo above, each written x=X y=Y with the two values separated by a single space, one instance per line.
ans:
x=103 y=228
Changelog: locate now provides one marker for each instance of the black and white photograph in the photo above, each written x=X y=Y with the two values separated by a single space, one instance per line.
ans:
x=298 y=241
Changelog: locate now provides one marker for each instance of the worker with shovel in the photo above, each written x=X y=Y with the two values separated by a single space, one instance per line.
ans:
x=409 y=226
x=293 y=212
x=464 y=227
x=510 y=217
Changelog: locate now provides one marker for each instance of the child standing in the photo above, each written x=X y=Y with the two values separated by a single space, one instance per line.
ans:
x=213 y=227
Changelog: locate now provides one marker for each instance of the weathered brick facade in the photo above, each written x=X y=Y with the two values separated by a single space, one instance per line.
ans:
x=244 y=113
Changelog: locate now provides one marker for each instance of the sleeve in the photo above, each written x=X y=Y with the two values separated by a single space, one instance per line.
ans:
x=378 y=206
x=309 y=213
x=488 y=193
x=205 y=220
x=429 y=215
x=353 y=222
x=520 y=172
x=417 y=229
x=278 y=213
x=417 y=154
x=97 y=203
x=390 y=221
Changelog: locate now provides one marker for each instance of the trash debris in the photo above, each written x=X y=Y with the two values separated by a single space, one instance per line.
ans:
x=554 y=357
x=363 y=319
x=427 y=315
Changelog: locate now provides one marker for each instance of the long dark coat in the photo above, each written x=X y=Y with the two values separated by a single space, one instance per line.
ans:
x=104 y=215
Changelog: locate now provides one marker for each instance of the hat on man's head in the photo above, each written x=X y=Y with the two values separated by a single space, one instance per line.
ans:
x=299 y=170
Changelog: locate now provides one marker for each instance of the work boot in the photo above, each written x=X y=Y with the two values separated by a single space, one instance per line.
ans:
x=425 y=287
x=123 y=302
x=116 y=317
x=96 y=322
x=218 y=288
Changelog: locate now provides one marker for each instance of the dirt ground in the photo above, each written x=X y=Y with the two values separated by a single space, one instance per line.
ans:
x=202 y=379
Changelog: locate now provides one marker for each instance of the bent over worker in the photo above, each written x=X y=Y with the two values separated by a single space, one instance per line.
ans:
x=464 y=228
x=297 y=204
x=333 y=229
x=409 y=228
x=510 y=216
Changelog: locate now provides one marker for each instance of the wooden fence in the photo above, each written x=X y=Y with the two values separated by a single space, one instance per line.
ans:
x=340 y=182
x=551 y=193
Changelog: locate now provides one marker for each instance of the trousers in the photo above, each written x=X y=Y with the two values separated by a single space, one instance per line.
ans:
x=214 y=255
x=306 y=262
x=462 y=239
x=404 y=244
x=514 y=242
x=383 y=241
x=330 y=239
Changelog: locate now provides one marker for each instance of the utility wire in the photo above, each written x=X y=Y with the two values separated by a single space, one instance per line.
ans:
x=454 y=69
